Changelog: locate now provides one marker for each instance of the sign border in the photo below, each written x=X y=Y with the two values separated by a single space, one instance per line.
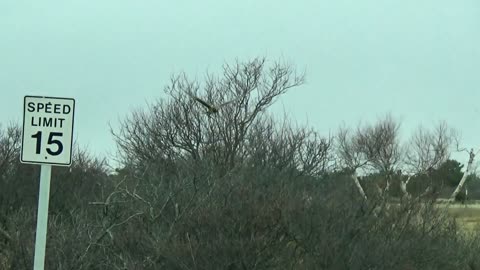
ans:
x=23 y=129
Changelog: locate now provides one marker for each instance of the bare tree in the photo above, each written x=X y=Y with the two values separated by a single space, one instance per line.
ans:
x=468 y=171
x=9 y=156
x=286 y=147
x=178 y=127
x=376 y=146
x=381 y=144
x=181 y=155
x=9 y=147
x=351 y=154
x=427 y=150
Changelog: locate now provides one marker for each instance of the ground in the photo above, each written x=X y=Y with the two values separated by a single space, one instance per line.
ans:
x=467 y=216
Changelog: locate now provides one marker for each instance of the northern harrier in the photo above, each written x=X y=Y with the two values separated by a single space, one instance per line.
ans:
x=211 y=109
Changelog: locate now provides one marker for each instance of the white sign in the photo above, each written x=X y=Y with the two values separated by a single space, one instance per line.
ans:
x=47 y=130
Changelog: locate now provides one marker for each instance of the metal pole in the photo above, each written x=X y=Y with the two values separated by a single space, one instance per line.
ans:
x=42 y=217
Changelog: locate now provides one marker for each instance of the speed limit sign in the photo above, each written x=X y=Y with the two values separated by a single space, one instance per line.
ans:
x=46 y=140
x=47 y=130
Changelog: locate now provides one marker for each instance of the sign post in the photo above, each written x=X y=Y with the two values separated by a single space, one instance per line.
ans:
x=46 y=140
x=42 y=217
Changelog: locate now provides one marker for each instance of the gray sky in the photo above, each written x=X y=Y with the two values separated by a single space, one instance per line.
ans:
x=419 y=59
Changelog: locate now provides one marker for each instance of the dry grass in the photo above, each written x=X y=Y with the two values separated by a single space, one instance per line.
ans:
x=467 y=216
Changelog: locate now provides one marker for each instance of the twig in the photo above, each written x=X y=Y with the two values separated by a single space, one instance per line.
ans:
x=105 y=232
x=5 y=234
x=191 y=251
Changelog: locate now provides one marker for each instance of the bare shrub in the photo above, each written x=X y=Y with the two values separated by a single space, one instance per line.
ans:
x=180 y=128
x=371 y=147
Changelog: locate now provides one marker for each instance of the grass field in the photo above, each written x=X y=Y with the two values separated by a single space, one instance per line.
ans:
x=467 y=216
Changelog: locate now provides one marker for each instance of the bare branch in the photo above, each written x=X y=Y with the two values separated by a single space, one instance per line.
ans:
x=429 y=149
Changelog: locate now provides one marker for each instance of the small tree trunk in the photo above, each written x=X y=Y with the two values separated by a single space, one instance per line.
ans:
x=357 y=183
x=464 y=177
x=403 y=187
x=465 y=200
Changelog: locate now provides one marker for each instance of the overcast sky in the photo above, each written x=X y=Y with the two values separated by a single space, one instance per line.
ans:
x=418 y=59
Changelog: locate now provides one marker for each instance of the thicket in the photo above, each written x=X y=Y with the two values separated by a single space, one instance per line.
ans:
x=228 y=189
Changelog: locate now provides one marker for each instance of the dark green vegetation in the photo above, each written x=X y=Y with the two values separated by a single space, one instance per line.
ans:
x=235 y=189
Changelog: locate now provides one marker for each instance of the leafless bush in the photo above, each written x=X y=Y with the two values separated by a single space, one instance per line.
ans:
x=10 y=143
x=70 y=191
x=338 y=232
x=211 y=181
x=428 y=149
x=374 y=147
x=180 y=128
x=288 y=149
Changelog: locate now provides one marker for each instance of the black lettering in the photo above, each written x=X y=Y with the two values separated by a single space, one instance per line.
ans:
x=31 y=107
x=56 y=108
x=66 y=109
x=61 y=121
x=47 y=122
x=48 y=107
x=40 y=107
x=59 y=144
x=38 y=136
x=33 y=122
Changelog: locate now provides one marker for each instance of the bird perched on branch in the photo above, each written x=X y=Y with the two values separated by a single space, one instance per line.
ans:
x=211 y=109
